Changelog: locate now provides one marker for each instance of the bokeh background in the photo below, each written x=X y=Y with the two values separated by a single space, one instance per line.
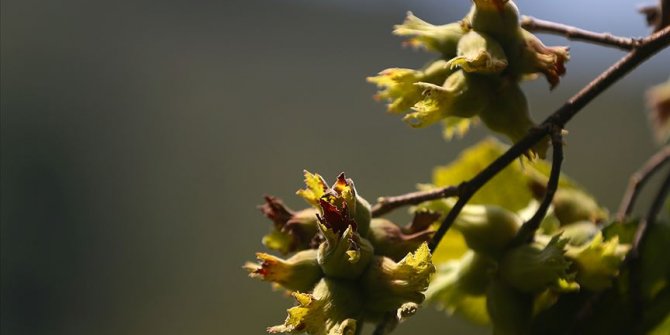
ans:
x=139 y=136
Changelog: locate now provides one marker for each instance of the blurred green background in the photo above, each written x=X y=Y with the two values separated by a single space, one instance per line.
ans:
x=139 y=136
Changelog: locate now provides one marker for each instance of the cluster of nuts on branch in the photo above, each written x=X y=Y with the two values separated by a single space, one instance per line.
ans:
x=346 y=268
x=516 y=282
x=482 y=60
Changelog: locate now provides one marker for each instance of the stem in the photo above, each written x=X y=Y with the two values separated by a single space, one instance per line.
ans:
x=648 y=47
x=527 y=231
x=606 y=39
x=387 y=204
x=651 y=215
x=639 y=179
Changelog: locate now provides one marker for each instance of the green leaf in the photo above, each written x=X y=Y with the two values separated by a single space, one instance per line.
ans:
x=508 y=189
x=450 y=291
x=655 y=261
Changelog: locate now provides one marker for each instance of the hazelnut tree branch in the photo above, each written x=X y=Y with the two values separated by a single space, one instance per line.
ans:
x=639 y=179
x=527 y=231
x=648 y=47
x=606 y=39
x=387 y=204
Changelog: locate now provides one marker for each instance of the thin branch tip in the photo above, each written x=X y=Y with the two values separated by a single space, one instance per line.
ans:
x=605 y=39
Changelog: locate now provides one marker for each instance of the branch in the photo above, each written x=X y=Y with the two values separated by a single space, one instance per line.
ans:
x=639 y=179
x=387 y=204
x=648 y=47
x=527 y=231
x=532 y=24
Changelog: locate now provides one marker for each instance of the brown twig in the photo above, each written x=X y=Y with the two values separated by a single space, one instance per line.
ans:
x=387 y=204
x=648 y=47
x=527 y=231
x=532 y=24
x=639 y=179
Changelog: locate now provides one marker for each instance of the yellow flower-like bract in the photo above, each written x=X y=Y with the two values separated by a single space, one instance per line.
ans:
x=339 y=204
x=533 y=268
x=443 y=39
x=316 y=187
x=298 y=273
x=336 y=305
x=598 y=261
x=331 y=309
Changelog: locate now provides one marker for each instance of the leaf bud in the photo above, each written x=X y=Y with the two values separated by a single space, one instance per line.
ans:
x=508 y=114
x=487 y=228
x=462 y=95
x=292 y=231
x=388 y=285
x=479 y=53
x=442 y=38
x=339 y=204
x=532 y=268
x=536 y=57
x=498 y=18
x=398 y=87
x=344 y=255
x=572 y=205
x=298 y=273
x=389 y=240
